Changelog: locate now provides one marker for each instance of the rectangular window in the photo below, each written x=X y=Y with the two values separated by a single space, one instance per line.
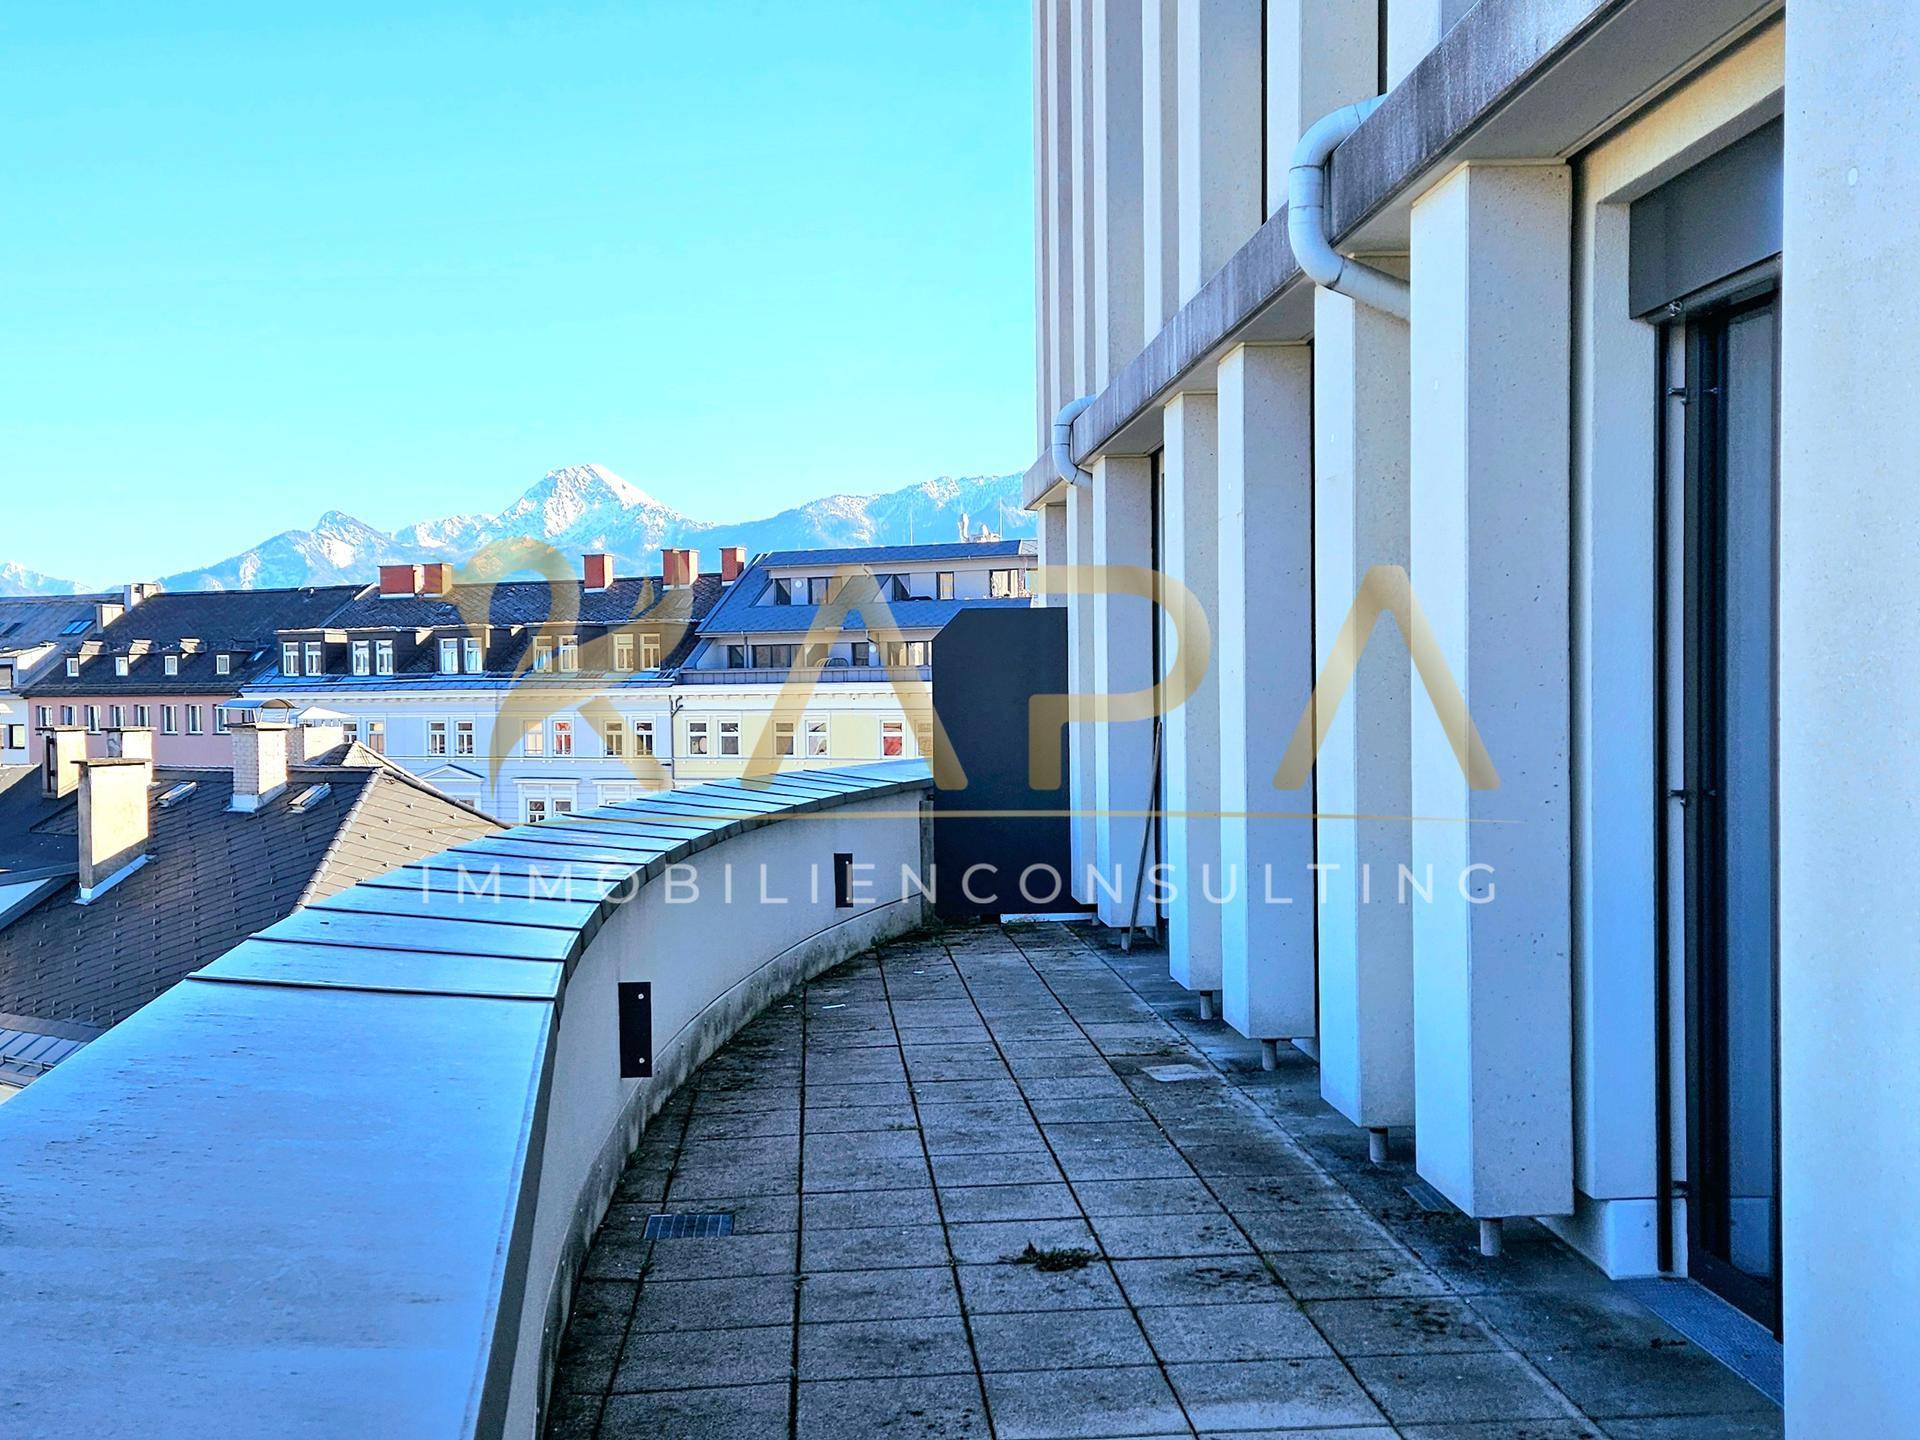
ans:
x=120 y=663
x=449 y=657
x=696 y=737
x=66 y=714
x=781 y=590
x=194 y=720
x=569 y=654
x=736 y=657
x=316 y=659
x=819 y=588
x=351 y=730
x=93 y=718
x=923 y=737
x=772 y=657
x=376 y=740
x=117 y=716
x=893 y=738
x=729 y=737
x=142 y=716
x=436 y=737
x=16 y=737
x=362 y=657
x=816 y=738
x=223 y=664
x=542 y=652
x=383 y=657
x=649 y=652
x=643 y=737
x=463 y=737
x=475 y=660
x=73 y=668
x=563 y=737
x=943 y=585
x=536 y=809
x=533 y=740
x=45 y=716
x=169 y=720
x=1006 y=584
x=614 y=737
x=219 y=720
x=171 y=664
x=623 y=652
x=783 y=737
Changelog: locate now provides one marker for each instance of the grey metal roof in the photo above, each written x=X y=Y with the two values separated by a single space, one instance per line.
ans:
x=212 y=877
x=29 y=621
x=899 y=554
x=529 y=602
x=740 y=613
x=30 y=1046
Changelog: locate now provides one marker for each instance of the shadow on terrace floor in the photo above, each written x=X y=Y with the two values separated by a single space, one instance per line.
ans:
x=1228 y=1264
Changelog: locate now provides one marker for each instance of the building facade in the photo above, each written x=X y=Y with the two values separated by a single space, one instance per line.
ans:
x=38 y=633
x=1569 y=338
x=168 y=663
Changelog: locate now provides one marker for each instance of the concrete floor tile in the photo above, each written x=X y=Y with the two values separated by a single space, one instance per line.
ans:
x=862 y=1209
x=735 y=1412
x=1058 y=1340
x=691 y=1259
x=1433 y=1389
x=1019 y=1168
x=1159 y=1237
x=874 y=1247
x=1050 y=1404
x=1267 y=1330
x=713 y=1304
x=878 y=1294
x=1222 y=1280
x=702 y=1359
x=999 y=1289
x=920 y=1408
x=1353 y=1274
x=1404 y=1325
x=1275 y=1394
x=969 y=1203
x=992 y=1242
x=870 y=1349
x=828 y=1171
x=1184 y=1195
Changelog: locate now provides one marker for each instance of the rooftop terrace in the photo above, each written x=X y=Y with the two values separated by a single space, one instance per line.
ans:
x=1000 y=1183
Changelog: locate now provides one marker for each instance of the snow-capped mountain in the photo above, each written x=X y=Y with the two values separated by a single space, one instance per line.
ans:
x=580 y=508
x=18 y=580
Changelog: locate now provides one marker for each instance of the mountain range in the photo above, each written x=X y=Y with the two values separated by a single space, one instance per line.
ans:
x=581 y=508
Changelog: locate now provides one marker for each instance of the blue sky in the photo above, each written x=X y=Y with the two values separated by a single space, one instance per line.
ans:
x=259 y=261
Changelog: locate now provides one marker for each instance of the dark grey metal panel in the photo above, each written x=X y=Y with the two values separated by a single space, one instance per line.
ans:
x=1714 y=220
x=987 y=666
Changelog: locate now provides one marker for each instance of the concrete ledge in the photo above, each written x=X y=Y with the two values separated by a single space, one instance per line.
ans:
x=340 y=1182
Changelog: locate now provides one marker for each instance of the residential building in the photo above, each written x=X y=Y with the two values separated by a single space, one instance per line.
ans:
x=37 y=633
x=120 y=877
x=167 y=663
x=523 y=698
x=1576 y=339
x=817 y=658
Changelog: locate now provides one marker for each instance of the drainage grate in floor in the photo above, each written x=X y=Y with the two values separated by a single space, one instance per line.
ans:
x=1428 y=1198
x=1170 y=1074
x=1725 y=1333
x=689 y=1227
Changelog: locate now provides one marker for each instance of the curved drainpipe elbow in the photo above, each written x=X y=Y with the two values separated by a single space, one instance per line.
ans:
x=1307 y=218
x=1063 y=466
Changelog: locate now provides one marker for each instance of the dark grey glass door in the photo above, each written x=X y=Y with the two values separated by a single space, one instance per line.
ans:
x=1734 y=1212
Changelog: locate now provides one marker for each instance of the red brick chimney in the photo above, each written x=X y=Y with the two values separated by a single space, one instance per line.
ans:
x=436 y=578
x=399 y=580
x=733 y=559
x=680 y=567
x=597 y=571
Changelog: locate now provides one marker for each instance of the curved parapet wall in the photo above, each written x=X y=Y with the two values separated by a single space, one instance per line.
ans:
x=340 y=1181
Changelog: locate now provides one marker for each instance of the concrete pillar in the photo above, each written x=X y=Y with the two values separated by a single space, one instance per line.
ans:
x=1080 y=738
x=1361 y=462
x=1119 y=247
x=1849 y=784
x=1044 y=405
x=1263 y=656
x=1053 y=544
x=1061 y=238
x=1122 y=661
x=1160 y=160
x=1490 y=356
x=1190 y=540
x=1086 y=126
x=1220 y=124
x=1413 y=28
x=1319 y=57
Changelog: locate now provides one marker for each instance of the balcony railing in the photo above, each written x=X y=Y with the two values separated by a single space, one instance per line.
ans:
x=341 y=1180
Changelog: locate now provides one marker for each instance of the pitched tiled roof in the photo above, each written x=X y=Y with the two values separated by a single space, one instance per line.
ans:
x=530 y=602
x=211 y=879
x=237 y=623
x=30 y=621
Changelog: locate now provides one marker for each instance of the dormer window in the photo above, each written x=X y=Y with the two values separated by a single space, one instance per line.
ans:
x=289 y=659
x=623 y=652
x=817 y=588
x=383 y=657
x=120 y=663
x=649 y=652
x=362 y=653
x=73 y=667
x=782 y=589
x=316 y=658
x=1006 y=584
x=943 y=585
x=172 y=665
x=542 y=653
x=475 y=659
x=569 y=654
x=449 y=657
x=223 y=664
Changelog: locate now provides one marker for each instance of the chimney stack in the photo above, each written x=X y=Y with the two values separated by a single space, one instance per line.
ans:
x=436 y=578
x=65 y=748
x=105 y=612
x=259 y=764
x=114 y=820
x=597 y=570
x=679 y=567
x=314 y=738
x=733 y=559
x=398 y=580
x=131 y=742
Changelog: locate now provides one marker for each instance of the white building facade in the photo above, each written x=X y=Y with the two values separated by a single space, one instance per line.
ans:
x=1586 y=859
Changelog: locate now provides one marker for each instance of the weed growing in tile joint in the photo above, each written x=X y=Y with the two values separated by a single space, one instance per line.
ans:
x=1053 y=1260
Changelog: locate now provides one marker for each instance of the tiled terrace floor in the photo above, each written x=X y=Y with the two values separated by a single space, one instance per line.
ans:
x=968 y=1094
